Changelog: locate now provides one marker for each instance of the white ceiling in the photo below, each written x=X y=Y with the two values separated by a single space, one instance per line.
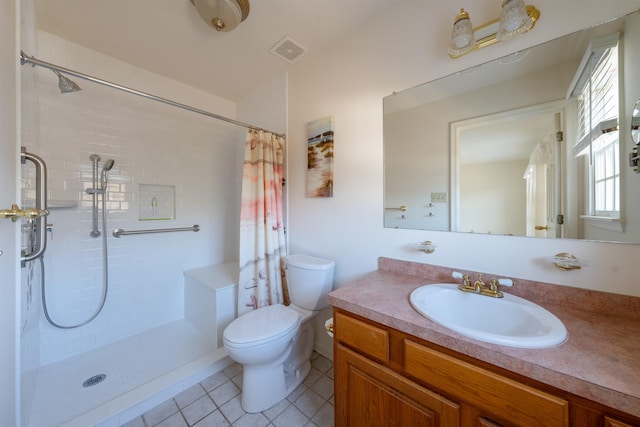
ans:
x=169 y=38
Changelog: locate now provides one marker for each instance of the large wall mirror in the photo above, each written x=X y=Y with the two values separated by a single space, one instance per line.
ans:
x=503 y=147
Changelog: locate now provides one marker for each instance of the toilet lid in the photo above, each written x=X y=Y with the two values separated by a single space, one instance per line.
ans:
x=266 y=323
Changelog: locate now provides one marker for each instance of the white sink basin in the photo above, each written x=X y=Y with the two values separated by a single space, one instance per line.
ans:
x=509 y=321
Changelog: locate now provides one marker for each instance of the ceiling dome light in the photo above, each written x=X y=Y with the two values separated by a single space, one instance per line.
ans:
x=222 y=15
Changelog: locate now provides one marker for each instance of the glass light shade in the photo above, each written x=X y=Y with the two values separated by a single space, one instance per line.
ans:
x=462 y=37
x=222 y=15
x=514 y=19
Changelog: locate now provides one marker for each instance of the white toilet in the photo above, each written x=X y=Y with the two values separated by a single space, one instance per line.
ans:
x=274 y=343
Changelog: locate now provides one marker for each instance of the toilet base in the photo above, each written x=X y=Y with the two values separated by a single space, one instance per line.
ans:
x=253 y=398
x=294 y=379
x=253 y=380
x=265 y=386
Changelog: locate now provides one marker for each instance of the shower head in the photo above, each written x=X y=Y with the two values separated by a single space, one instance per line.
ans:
x=65 y=84
x=108 y=165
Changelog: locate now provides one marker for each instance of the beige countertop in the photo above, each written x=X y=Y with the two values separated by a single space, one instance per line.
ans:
x=600 y=361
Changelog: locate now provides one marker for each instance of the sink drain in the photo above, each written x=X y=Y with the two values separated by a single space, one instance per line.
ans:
x=96 y=379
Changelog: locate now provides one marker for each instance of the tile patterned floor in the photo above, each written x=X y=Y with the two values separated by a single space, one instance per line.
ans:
x=216 y=402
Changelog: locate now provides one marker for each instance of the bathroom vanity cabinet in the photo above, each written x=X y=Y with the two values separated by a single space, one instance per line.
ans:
x=386 y=377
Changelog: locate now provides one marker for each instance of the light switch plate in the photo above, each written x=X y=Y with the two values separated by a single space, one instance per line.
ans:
x=438 y=197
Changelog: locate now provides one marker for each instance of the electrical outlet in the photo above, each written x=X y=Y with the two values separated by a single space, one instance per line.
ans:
x=438 y=197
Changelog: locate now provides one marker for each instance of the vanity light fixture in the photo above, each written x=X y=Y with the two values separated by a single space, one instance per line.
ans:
x=515 y=18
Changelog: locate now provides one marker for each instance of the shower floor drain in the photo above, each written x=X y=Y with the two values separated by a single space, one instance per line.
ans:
x=96 y=379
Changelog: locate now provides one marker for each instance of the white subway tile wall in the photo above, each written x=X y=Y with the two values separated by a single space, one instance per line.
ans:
x=151 y=143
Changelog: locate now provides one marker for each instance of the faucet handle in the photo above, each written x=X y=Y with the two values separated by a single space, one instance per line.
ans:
x=466 y=283
x=493 y=285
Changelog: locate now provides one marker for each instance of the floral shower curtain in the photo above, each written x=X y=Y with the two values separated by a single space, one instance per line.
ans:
x=262 y=241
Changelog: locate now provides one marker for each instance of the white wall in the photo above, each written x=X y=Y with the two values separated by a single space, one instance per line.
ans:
x=493 y=198
x=9 y=135
x=420 y=166
x=402 y=49
x=152 y=143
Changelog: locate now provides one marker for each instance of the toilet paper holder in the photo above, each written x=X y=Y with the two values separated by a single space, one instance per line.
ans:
x=328 y=325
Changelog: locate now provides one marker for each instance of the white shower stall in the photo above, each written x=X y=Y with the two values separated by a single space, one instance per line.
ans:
x=147 y=330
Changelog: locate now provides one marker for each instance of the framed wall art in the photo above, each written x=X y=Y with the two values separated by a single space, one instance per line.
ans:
x=320 y=135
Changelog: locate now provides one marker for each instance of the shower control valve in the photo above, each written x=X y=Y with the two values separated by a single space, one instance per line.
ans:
x=15 y=212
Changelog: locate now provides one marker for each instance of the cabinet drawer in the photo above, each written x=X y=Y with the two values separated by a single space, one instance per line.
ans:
x=364 y=337
x=494 y=395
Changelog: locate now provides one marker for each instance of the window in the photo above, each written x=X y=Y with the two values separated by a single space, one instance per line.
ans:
x=595 y=89
x=606 y=176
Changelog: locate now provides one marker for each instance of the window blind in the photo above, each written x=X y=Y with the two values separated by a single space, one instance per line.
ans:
x=596 y=91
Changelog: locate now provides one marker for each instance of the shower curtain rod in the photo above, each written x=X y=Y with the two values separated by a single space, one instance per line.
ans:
x=33 y=61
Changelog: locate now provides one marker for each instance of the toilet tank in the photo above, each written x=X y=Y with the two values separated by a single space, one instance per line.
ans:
x=309 y=280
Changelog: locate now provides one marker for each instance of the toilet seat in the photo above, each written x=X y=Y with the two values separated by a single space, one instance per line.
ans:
x=262 y=325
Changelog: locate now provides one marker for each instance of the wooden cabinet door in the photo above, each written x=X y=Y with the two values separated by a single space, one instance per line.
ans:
x=370 y=395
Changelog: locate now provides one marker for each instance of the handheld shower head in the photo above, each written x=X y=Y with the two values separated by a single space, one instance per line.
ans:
x=99 y=189
x=108 y=165
x=65 y=84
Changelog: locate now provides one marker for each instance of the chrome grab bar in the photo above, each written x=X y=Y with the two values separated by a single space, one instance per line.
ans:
x=39 y=221
x=120 y=232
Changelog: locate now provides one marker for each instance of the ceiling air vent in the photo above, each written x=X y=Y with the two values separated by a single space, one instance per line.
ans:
x=288 y=49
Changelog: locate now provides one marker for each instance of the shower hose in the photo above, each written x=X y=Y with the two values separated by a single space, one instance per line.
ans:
x=105 y=277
